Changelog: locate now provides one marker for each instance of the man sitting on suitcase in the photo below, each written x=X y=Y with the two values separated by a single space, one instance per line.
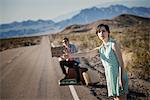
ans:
x=67 y=60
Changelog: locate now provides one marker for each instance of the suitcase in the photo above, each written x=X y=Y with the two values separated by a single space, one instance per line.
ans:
x=71 y=77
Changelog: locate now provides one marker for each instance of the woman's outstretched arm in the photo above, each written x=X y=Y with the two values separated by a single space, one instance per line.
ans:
x=90 y=53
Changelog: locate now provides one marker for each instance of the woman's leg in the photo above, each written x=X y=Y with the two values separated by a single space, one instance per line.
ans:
x=117 y=98
x=122 y=97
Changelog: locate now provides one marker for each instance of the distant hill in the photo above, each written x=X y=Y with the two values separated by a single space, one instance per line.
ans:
x=92 y=14
x=25 y=28
x=85 y=16
x=120 y=22
x=26 y=24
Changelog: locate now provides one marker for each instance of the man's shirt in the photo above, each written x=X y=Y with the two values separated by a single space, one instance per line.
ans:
x=71 y=49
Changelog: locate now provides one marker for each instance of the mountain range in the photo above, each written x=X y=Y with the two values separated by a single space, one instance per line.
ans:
x=119 y=23
x=85 y=16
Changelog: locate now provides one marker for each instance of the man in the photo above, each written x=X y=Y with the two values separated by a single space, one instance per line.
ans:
x=67 y=60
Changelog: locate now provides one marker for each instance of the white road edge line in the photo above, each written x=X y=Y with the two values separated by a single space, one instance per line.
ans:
x=73 y=92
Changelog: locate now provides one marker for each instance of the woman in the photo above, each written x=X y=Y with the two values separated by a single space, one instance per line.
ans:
x=111 y=57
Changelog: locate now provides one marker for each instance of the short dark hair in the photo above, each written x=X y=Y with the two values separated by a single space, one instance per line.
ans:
x=102 y=25
x=65 y=39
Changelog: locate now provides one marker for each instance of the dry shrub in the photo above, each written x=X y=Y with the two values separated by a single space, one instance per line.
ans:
x=18 y=42
x=136 y=39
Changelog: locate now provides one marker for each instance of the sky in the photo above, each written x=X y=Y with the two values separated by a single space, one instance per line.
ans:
x=21 y=10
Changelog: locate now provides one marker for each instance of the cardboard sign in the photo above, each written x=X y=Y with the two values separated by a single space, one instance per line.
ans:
x=57 y=51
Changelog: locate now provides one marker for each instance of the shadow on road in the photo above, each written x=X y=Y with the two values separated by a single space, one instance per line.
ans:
x=100 y=92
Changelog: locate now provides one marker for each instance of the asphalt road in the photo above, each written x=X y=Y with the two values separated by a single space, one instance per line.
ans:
x=30 y=73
